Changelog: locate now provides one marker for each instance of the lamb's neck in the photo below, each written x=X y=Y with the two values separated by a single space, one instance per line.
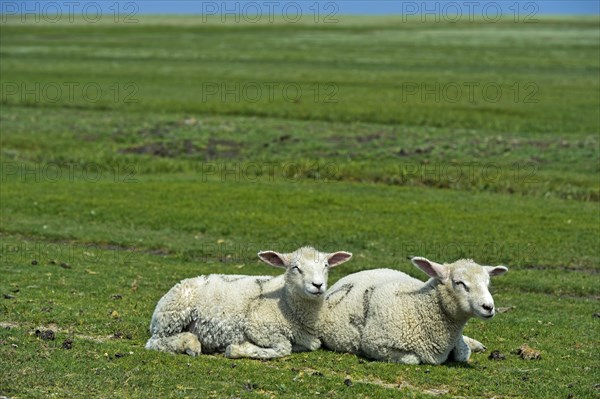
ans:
x=306 y=311
x=449 y=311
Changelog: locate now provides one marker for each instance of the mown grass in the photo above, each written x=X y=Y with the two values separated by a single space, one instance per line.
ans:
x=545 y=73
x=81 y=302
x=116 y=201
x=234 y=149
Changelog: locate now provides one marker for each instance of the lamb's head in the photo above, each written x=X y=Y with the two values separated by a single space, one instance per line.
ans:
x=306 y=269
x=466 y=284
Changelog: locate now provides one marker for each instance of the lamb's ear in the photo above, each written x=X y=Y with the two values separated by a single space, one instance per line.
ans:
x=432 y=269
x=273 y=258
x=496 y=270
x=337 y=258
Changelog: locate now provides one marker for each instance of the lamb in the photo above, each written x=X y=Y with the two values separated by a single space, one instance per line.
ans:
x=259 y=317
x=373 y=278
x=387 y=315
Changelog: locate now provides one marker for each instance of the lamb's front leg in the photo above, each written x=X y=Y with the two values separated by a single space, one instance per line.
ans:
x=402 y=357
x=184 y=342
x=461 y=351
x=306 y=343
x=248 y=349
x=392 y=355
x=475 y=345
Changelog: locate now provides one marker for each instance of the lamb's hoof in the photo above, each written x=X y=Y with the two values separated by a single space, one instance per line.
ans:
x=232 y=352
x=477 y=346
x=190 y=352
x=191 y=345
x=314 y=345
x=474 y=345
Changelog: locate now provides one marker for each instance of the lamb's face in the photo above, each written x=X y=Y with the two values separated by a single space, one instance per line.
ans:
x=306 y=269
x=307 y=274
x=466 y=283
x=469 y=284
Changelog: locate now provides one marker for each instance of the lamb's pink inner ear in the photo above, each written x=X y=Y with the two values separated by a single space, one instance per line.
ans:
x=337 y=258
x=432 y=269
x=496 y=270
x=272 y=258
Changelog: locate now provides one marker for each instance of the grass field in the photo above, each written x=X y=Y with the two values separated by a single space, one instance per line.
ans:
x=134 y=156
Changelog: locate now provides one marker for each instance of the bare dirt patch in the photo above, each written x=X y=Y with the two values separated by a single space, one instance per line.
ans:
x=164 y=149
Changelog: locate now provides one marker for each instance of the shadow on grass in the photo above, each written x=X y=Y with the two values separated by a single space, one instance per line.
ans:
x=458 y=365
x=359 y=359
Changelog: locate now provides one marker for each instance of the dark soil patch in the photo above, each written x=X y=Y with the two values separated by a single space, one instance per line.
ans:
x=361 y=139
x=215 y=149
x=164 y=149
x=222 y=148
x=121 y=335
x=417 y=151
x=370 y=137
x=582 y=269
x=283 y=138
x=90 y=246
x=46 y=335
x=159 y=130
x=248 y=386
x=496 y=355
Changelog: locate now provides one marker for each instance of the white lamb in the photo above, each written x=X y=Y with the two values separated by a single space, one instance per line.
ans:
x=387 y=315
x=260 y=317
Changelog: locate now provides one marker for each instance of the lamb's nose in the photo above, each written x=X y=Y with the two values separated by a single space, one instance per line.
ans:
x=487 y=307
x=318 y=285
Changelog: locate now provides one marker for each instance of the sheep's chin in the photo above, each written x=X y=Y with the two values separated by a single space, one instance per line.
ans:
x=484 y=316
x=314 y=295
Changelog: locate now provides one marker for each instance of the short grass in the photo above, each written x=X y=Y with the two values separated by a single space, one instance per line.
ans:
x=105 y=205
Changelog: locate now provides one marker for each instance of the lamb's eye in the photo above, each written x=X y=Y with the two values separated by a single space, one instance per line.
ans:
x=296 y=268
x=463 y=284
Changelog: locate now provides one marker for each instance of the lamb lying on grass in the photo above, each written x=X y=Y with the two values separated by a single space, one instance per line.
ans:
x=405 y=320
x=260 y=317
